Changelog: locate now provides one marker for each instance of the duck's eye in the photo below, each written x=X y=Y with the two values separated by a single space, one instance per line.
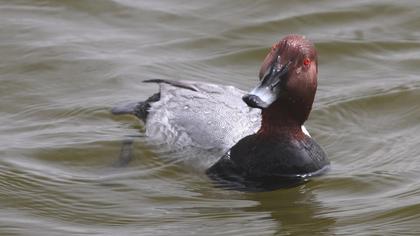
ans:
x=306 y=61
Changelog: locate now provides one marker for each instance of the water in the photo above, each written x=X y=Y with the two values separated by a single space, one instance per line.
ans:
x=63 y=64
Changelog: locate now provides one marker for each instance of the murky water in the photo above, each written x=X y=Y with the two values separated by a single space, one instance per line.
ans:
x=63 y=64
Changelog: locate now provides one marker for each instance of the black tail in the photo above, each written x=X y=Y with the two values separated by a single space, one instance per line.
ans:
x=138 y=109
x=141 y=109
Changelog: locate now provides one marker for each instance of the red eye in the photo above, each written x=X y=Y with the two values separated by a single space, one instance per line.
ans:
x=306 y=61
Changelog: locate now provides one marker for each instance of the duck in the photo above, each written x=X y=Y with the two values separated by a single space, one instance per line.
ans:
x=259 y=137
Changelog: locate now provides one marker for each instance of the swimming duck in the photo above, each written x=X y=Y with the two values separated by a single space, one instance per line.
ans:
x=260 y=135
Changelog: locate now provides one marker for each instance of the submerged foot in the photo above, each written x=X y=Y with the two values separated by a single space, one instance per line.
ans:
x=126 y=153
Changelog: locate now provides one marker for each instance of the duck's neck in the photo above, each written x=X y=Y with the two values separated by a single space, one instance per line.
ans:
x=284 y=119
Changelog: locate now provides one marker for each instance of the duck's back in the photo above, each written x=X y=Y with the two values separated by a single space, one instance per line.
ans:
x=200 y=114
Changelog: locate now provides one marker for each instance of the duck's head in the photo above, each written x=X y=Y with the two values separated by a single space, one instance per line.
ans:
x=288 y=81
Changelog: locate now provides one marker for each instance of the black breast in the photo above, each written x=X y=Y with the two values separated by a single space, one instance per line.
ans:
x=265 y=164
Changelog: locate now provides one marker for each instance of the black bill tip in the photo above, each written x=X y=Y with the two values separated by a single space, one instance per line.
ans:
x=254 y=101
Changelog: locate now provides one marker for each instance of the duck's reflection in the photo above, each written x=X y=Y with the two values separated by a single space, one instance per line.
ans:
x=297 y=210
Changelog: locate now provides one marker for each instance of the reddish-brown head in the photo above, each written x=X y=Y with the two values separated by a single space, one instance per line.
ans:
x=288 y=82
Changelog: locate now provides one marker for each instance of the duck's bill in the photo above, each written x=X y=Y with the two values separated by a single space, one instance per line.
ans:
x=254 y=100
x=269 y=89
